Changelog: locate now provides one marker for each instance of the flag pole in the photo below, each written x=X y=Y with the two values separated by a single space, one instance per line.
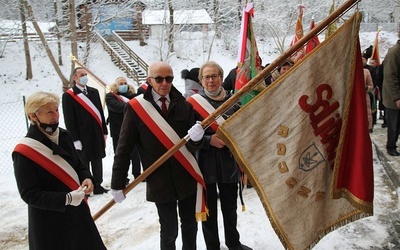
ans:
x=235 y=98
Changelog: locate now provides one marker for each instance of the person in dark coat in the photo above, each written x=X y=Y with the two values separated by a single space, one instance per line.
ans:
x=391 y=97
x=218 y=166
x=84 y=119
x=120 y=93
x=170 y=185
x=58 y=215
x=229 y=82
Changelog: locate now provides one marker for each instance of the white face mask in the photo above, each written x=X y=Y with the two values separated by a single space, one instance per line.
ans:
x=83 y=80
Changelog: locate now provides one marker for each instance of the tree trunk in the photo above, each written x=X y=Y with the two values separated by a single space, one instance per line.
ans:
x=44 y=42
x=58 y=34
x=171 y=27
x=29 y=74
x=74 y=44
x=89 y=36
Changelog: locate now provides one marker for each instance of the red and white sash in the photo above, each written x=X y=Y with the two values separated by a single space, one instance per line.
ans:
x=120 y=98
x=204 y=109
x=44 y=157
x=87 y=104
x=168 y=137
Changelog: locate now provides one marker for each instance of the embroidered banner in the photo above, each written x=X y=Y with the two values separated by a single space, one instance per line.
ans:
x=306 y=147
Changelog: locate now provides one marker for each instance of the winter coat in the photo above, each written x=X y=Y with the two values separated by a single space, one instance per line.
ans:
x=52 y=225
x=116 y=111
x=217 y=164
x=83 y=126
x=171 y=181
x=391 y=80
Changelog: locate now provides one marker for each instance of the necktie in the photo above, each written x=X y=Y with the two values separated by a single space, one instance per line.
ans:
x=163 y=106
x=84 y=91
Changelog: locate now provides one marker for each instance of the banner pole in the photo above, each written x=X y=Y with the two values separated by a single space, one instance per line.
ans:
x=234 y=99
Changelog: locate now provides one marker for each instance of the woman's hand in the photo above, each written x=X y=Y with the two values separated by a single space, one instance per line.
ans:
x=88 y=184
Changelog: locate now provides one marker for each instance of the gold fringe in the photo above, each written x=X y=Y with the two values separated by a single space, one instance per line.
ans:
x=201 y=216
x=243 y=208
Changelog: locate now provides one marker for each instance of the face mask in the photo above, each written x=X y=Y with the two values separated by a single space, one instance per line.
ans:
x=83 y=80
x=123 y=88
x=49 y=128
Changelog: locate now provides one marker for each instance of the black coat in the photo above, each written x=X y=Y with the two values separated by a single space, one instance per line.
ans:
x=217 y=164
x=170 y=181
x=52 y=225
x=83 y=126
x=116 y=111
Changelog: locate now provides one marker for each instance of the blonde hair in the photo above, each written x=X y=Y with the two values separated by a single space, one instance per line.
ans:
x=114 y=87
x=38 y=100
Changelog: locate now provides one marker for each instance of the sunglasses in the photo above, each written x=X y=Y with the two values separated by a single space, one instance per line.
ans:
x=159 y=79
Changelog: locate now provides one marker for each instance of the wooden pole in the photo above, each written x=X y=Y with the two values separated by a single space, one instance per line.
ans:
x=235 y=98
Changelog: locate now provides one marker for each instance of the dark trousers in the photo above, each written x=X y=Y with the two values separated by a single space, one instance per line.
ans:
x=135 y=158
x=96 y=169
x=168 y=219
x=228 y=199
x=393 y=127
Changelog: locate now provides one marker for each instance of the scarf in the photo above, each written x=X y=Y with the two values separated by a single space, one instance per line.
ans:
x=218 y=95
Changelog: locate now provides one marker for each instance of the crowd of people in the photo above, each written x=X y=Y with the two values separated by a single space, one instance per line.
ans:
x=57 y=169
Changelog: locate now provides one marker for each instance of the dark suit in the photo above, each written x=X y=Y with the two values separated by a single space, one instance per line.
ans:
x=52 y=225
x=83 y=127
x=171 y=183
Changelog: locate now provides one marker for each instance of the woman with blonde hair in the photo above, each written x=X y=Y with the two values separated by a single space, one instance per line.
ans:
x=53 y=181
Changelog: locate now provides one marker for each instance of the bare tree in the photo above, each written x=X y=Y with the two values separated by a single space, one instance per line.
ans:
x=74 y=43
x=26 y=43
x=44 y=42
x=171 y=27
x=59 y=48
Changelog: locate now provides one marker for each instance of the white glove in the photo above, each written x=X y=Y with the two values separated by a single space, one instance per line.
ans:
x=118 y=195
x=196 y=132
x=78 y=145
x=74 y=198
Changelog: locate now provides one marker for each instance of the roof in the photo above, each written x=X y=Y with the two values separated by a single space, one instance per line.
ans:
x=152 y=17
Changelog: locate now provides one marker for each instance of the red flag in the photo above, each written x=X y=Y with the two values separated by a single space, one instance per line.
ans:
x=375 y=50
x=249 y=61
x=355 y=177
x=298 y=35
x=314 y=41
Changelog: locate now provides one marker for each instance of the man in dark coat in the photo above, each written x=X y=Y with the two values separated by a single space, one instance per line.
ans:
x=84 y=119
x=58 y=218
x=170 y=185
x=391 y=97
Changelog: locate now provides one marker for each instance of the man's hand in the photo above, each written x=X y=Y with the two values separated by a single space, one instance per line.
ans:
x=118 y=195
x=398 y=103
x=196 y=132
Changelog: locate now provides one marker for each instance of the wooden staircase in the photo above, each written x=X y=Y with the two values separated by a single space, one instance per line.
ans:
x=124 y=57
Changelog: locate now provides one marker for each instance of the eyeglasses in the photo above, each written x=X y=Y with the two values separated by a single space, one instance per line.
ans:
x=159 y=79
x=207 y=78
